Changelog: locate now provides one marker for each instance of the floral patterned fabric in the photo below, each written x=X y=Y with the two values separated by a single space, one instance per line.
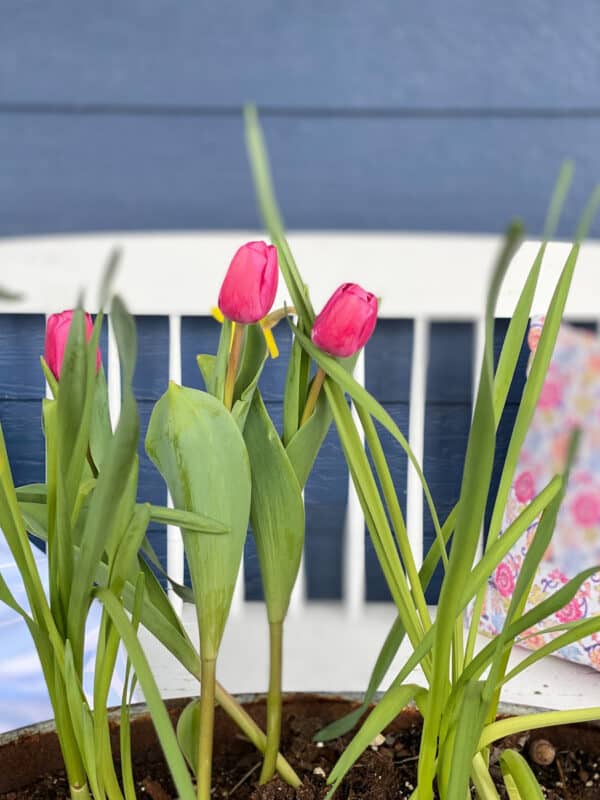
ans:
x=570 y=398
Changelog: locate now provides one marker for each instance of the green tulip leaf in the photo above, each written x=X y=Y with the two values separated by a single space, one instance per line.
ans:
x=100 y=428
x=206 y=364
x=188 y=733
x=253 y=357
x=196 y=445
x=276 y=512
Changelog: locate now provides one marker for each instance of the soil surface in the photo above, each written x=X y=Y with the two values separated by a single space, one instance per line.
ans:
x=386 y=771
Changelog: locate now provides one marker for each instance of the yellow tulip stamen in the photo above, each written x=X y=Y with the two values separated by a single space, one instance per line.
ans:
x=265 y=325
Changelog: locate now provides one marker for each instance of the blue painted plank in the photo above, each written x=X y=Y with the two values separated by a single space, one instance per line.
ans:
x=22 y=427
x=376 y=587
x=388 y=360
x=387 y=377
x=447 y=423
x=151 y=375
x=22 y=338
x=199 y=336
x=149 y=382
x=80 y=173
x=409 y=55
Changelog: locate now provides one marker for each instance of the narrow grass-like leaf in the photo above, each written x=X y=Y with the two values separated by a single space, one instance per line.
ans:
x=517 y=771
x=160 y=716
x=511 y=347
x=384 y=660
x=541 y=611
x=198 y=523
x=530 y=722
x=373 y=509
x=129 y=682
x=263 y=185
x=471 y=508
x=579 y=630
x=120 y=460
x=456 y=755
x=385 y=711
x=363 y=398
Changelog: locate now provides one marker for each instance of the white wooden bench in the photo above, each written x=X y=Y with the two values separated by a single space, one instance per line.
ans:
x=328 y=646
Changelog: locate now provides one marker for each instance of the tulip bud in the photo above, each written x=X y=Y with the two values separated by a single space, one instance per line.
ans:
x=57 y=333
x=249 y=288
x=346 y=322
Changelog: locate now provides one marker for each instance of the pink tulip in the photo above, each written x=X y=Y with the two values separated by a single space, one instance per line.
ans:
x=249 y=288
x=346 y=322
x=57 y=333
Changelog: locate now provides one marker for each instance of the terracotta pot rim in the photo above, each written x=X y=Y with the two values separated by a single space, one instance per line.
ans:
x=140 y=709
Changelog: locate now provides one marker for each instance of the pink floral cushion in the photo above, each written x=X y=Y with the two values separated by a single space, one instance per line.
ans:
x=570 y=398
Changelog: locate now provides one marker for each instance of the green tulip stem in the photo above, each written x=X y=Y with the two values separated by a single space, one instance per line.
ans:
x=250 y=729
x=235 y=352
x=313 y=395
x=207 y=721
x=273 y=702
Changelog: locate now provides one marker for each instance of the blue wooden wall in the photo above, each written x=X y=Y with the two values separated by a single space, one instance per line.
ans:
x=396 y=115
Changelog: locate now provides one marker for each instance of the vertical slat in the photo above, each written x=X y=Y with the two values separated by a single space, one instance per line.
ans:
x=354 y=532
x=478 y=346
x=416 y=430
x=175 y=552
x=114 y=377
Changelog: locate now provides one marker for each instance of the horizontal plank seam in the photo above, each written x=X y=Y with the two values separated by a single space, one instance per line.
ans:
x=182 y=110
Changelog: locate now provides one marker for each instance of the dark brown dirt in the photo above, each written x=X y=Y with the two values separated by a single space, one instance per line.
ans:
x=386 y=772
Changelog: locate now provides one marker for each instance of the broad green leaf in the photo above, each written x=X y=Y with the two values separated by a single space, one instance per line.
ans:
x=276 y=510
x=199 y=450
x=242 y=406
x=160 y=716
x=188 y=733
x=206 y=365
x=304 y=445
x=520 y=782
